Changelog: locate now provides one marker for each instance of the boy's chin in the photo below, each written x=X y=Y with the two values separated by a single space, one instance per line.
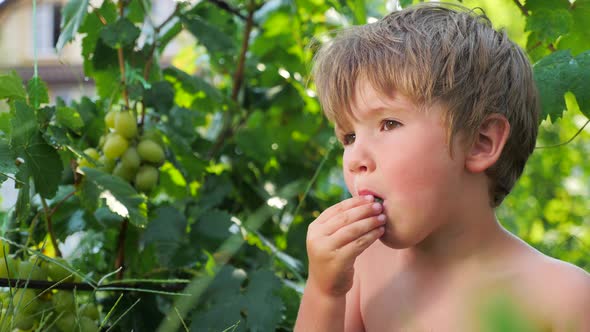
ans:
x=397 y=241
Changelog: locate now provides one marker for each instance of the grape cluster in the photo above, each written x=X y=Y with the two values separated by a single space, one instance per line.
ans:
x=126 y=155
x=28 y=309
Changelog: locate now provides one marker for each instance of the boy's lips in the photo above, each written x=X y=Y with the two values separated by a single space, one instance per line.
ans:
x=366 y=192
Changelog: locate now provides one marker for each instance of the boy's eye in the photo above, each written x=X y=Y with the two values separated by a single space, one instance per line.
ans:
x=390 y=124
x=348 y=138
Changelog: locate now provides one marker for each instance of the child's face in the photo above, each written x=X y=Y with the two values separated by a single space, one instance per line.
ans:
x=400 y=154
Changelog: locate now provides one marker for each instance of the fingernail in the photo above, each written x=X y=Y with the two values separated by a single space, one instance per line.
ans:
x=381 y=217
x=376 y=206
x=369 y=198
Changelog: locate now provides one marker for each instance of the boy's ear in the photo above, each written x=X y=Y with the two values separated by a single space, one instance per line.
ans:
x=488 y=143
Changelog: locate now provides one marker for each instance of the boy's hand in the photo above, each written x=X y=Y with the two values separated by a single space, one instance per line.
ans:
x=337 y=237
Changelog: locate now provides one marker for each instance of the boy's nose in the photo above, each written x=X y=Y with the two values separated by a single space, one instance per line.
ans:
x=360 y=159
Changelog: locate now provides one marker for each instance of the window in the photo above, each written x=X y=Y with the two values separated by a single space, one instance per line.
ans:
x=48 y=21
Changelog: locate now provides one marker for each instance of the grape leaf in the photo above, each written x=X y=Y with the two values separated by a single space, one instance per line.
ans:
x=41 y=160
x=550 y=23
x=166 y=231
x=119 y=195
x=264 y=306
x=214 y=224
x=226 y=302
x=210 y=36
x=37 y=92
x=69 y=118
x=7 y=165
x=11 y=86
x=73 y=15
x=359 y=11
x=559 y=73
x=160 y=96
x=120 y=34
x=5 y=127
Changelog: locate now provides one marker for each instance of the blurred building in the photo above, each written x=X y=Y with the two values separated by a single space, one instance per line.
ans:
x=63 y=71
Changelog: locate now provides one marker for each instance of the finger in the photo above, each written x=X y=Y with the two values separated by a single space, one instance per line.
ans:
x=352 y=232
x=357 y=246
x=343 y=206
x=351 y=216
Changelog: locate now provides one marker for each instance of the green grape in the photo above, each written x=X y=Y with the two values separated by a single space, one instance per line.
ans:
x=8 y=265
x=130 y=159
x=123 y=172
x=88 y=325
x=25 y=300
x=150 y=151
x=109 y=119
x=90 y=310
x=91 y=153
x=23 y=321
x=57 y=272
x=107 y=164
x=66 y=322
x=64 y=301
x=115 y=146
x=28 y=270
x=125 y=124
x=146 y=178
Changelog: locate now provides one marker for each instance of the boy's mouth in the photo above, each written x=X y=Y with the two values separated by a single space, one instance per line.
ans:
x=378 y=199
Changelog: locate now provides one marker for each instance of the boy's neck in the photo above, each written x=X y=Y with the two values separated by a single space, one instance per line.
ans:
x=472 y=239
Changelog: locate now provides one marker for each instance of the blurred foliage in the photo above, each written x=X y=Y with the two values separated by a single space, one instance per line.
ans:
x=250 y=160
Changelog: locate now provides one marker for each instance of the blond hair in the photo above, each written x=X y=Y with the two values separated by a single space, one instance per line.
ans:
x=438 y=54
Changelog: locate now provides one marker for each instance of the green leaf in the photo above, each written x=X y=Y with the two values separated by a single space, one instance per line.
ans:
x=226 y=303
x=550 y=23
x=69 y=118
x=72 y=17
x=264 y=306
x=208 y=35
x=37 y=92
x=214 y=224
x=41 y=160
x=7 y=165
x=559 y=73
x=405 y=3
x=120 y=34
x=119 y=195
x=137 y=10
x=358 y=10
x=196 y=87
x=166 y=231
x=160 y=96
x=11 y=86
x=5 y=127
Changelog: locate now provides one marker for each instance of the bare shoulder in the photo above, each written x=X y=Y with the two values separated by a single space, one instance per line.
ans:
x=564 y=290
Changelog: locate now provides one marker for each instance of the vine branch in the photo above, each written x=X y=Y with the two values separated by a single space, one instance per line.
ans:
x=83 y=286
x=228 y=8
x=120 y=260
x=522 y=8
x=566 y=142
x=238 y=79
x=50 y=231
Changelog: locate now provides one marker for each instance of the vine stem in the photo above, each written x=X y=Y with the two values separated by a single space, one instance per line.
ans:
x=50 y=227
x=120 y=260
x=227 y=130
x=122 y=62
x=566 y=142
x=58 y=204
x=522 y=8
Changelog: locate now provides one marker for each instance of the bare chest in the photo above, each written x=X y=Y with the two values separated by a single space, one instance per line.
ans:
x=406 y=308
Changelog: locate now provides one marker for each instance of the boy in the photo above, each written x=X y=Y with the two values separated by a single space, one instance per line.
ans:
x=437 y=113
